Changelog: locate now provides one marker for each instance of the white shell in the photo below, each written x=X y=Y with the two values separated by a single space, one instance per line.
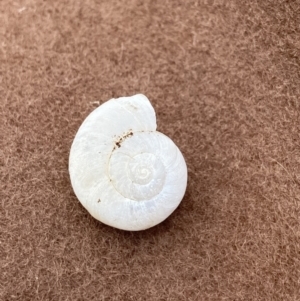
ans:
x=124 y=172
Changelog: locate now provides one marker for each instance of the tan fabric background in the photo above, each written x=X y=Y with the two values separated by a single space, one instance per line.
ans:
x=224 y=78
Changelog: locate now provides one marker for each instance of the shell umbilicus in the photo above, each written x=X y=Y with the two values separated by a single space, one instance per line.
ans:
x=125 y=173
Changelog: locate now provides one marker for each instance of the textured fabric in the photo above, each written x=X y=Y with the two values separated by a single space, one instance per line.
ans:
x=223 y=77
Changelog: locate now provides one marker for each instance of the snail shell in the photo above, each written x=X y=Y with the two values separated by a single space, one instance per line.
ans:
x=125 y=173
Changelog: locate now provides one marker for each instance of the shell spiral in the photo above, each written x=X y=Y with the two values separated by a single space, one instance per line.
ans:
x=123 y=171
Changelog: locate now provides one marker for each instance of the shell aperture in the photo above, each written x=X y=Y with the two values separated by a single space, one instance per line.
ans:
x=124 y=172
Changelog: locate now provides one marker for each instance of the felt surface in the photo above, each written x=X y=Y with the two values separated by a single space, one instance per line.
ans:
x=224 y=79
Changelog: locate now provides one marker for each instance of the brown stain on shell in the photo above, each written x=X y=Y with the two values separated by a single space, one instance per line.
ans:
x=122 y=139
